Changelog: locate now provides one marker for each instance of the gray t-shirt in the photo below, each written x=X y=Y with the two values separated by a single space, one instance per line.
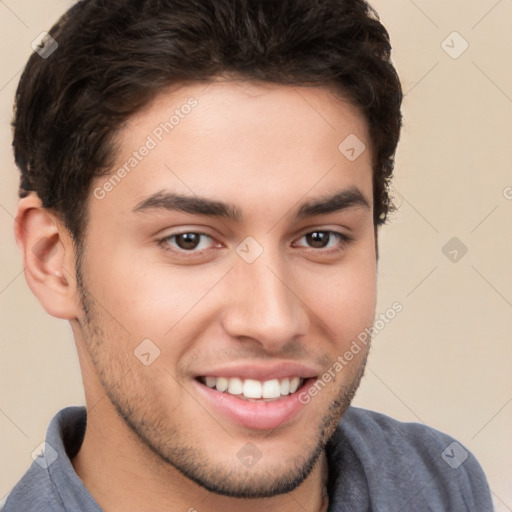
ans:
x=376 y=464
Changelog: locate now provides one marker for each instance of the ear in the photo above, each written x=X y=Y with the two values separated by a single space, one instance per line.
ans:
x=48 y=257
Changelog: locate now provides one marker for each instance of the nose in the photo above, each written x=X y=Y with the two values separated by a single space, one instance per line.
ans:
x=263 y=304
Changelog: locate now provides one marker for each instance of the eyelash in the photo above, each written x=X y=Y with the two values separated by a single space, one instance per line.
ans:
x=165 y=245
x=343 y=241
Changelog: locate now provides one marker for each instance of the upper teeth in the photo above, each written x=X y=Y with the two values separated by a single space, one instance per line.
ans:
x=251 y=388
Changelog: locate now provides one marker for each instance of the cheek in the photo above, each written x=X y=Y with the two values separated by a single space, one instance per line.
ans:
x=352 y=297
x=344 y=296
x=147 y=298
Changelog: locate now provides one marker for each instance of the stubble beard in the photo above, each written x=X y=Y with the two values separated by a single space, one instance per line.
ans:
x=171 y=446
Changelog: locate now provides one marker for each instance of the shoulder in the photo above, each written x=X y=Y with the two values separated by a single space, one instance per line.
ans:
x=374 y=428
x=48 y=481
x=395 y=438
x=414 y=460
x=32 y=493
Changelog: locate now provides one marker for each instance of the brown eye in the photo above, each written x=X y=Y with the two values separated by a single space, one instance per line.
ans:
x=324 y=240
x=318 y=239
x=188 y=240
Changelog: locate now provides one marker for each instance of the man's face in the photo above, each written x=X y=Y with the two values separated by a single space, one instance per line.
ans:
x=258 y=301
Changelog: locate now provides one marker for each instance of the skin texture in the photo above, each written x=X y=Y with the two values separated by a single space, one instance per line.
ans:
x=152 y=441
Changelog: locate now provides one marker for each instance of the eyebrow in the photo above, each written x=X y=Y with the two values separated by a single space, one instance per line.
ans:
x=349 y=198
x=342 y=200
x=188 y=204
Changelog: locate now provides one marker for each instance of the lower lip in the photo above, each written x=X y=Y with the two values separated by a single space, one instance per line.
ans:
x=255 y=415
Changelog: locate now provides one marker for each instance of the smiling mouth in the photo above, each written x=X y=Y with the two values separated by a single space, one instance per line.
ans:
x=254 y=390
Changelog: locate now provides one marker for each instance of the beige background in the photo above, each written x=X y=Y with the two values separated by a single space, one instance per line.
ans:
x=446 y=359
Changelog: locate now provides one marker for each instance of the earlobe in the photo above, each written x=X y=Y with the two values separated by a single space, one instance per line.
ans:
x=48 y=257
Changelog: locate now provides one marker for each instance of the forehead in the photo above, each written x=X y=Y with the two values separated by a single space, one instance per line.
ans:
x=263 y=141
